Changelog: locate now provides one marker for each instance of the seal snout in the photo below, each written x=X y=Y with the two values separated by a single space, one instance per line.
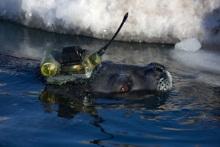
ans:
x=120 y=83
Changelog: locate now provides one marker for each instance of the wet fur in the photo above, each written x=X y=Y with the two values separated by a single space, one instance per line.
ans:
x=111 y=78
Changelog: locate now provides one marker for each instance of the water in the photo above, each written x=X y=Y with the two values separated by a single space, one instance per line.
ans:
x=187 y=116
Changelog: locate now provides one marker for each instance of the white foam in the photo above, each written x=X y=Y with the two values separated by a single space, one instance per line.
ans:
x=149 y=20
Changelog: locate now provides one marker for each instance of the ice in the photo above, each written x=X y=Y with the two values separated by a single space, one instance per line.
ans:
x=159 y=21
x=190 y=45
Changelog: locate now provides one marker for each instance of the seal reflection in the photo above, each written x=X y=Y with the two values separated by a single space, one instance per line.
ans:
x=68 y=101
x=73 y=99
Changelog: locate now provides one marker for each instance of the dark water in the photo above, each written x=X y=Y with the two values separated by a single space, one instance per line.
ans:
x=29 y=116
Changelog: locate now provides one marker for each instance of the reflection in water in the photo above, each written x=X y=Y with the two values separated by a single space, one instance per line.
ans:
x=72 y=99
x=70 y=106
x=67 y=102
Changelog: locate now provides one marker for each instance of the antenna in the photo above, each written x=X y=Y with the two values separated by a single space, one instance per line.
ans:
x=104 y=48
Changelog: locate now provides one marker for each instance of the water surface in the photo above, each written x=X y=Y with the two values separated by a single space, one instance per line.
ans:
x=187 y=116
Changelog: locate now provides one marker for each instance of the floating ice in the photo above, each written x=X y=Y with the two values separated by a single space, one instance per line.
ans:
x=191 y=45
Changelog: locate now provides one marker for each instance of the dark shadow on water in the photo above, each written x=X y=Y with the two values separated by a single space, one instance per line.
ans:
x=69 y=107
x=67 y=102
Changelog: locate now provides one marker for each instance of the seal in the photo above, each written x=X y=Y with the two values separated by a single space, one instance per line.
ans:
x=76 y=66
x=121 y=78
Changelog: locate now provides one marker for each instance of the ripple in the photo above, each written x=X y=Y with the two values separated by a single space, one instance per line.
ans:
x=3 y=118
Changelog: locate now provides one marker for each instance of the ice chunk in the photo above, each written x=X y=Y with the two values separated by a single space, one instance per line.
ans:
x=191 y=45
